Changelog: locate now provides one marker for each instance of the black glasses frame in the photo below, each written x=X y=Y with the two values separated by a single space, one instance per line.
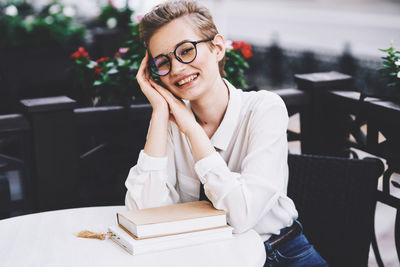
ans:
x=176 y=56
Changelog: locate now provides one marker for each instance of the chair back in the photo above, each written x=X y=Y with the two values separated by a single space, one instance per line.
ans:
x=336 y=200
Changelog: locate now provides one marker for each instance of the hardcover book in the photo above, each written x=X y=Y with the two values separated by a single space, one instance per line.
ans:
x=171 y=220
x=135 y=246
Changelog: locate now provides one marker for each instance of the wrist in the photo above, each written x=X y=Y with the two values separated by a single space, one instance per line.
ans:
x=194 y=130
x=200 y=142
x=160 y=113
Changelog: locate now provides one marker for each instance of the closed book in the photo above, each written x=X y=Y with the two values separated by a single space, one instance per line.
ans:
x=141 y=246
x=170 y=220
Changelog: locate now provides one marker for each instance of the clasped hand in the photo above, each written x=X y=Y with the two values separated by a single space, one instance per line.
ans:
x=163 y=101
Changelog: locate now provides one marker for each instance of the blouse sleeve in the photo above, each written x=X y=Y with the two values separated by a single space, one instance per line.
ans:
x=251 y=193
x=152 y=181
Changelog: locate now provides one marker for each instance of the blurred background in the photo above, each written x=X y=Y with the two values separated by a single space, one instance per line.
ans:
x=74 y=48
x=288 y=37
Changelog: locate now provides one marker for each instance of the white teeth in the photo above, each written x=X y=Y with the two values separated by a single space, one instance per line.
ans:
x=188 y=79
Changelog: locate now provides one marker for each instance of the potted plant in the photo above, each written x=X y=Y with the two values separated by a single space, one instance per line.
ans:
x=237 y=55
x=391 y=73
x=112 y=80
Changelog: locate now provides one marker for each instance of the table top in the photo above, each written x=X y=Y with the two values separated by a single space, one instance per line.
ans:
x=48 y=239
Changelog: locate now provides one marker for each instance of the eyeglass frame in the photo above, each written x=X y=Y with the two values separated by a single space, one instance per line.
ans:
x=178 y=58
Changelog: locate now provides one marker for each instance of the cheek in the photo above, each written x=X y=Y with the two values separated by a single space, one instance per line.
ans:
x=166 y=80
x=206 y=62
x=167 y=83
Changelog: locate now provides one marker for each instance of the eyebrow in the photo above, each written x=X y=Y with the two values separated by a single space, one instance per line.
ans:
x=178 y=44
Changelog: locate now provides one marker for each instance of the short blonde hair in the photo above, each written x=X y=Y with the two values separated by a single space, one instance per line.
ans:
x=199 y=16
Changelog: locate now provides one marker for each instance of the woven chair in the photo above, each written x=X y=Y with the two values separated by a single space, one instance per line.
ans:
x=336 y=199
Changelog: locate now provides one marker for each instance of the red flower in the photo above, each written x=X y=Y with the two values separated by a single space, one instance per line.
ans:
x=97 y=70
x=244 y=47
x=236 y=45
x=102 y=59
x=80 y=53
x=247 y=52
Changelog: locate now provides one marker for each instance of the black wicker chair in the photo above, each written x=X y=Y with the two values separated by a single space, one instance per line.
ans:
x=336 y=199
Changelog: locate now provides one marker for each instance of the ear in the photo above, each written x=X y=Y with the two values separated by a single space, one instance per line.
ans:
x=219 y=49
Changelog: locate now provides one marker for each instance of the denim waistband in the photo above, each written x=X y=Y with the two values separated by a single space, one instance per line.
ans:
x=284 y=231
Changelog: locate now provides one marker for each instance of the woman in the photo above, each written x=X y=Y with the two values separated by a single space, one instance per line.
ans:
x=230 y=142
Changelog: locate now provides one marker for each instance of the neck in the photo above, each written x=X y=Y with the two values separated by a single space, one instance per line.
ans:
x=210 y=109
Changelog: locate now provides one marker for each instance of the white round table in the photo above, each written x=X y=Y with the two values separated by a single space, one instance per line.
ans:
x=48 y=239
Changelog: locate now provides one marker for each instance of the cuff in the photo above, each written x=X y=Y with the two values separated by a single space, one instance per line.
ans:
x=203 y=166
x=149 y=163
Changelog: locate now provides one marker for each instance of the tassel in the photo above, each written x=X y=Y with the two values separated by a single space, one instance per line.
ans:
x=89 y=234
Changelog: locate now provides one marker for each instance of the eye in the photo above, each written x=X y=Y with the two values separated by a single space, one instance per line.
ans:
x=162 y=63
x=187 y=50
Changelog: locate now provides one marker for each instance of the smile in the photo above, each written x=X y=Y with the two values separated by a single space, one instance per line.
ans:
x=187 y=79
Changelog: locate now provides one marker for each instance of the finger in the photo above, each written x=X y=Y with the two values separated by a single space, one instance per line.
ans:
x=163 y=91
x=143 y=71
x=159 y=88
x=141 y=67
x=171 y=100
x=143 y=64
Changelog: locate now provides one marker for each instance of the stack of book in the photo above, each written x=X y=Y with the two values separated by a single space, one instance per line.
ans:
x=179 y=225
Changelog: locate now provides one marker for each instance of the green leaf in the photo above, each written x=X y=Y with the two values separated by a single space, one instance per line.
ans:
x=121 y=62
x=230 y=69
x=135 y=65
x=110 y=64
x=91 y=64
x=112 y=71
x=387 y=64
x=97 y=83
x=387 y=50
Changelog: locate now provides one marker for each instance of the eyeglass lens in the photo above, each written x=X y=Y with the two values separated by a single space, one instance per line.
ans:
x=185 y=53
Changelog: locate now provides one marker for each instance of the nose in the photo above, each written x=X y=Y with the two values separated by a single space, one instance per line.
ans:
x=176 y=66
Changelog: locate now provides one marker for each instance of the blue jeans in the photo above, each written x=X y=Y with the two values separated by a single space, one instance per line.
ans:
x=295 y=253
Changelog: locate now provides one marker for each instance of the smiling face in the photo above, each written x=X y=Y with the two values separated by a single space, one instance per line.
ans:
x=198 y=78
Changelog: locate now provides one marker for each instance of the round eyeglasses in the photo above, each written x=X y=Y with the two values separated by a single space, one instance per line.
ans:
x=184 y=52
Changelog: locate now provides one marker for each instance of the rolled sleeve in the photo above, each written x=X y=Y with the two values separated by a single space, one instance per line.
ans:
x=205 y=165
x=149 y=163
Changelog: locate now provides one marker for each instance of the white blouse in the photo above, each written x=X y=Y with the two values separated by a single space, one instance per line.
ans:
x=247 y=176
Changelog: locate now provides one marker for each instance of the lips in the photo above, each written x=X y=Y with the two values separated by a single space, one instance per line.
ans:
x=186 y=80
